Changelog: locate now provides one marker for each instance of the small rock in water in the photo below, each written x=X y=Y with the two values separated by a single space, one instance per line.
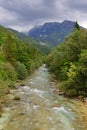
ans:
x=36 y=106
x=56 y=105
x=22 y=84
x=22 y=113
x=30 y=101
x=31 y=82
x=12 y=120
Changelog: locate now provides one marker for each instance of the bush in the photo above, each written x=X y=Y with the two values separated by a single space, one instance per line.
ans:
x=7 y=72
x=68 y=62
x=21 y=70
x=17 y=97
x=11 y=84
x=71 y=93
x=3 y=88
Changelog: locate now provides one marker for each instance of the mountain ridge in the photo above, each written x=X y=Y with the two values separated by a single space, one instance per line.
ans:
x=52 y=33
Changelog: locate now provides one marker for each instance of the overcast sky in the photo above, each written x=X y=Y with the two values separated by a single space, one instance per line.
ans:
x=22 y=15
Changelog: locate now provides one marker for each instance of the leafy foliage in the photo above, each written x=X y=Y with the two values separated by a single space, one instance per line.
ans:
x=44 y=49
x=69 y=63
x=21 y=70
x=17 y=58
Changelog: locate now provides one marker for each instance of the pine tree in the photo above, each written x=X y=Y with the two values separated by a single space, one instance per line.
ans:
x=77 y=25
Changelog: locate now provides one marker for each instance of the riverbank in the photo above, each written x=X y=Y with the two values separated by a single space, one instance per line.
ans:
x=5 y=92
x=78 y=98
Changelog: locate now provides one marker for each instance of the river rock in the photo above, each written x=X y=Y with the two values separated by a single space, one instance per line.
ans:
x=81 y=98
x=85 y=102
x=56 y=91
x=56 y=105
x=22 y=113
x=59 y=92
x=85 y=99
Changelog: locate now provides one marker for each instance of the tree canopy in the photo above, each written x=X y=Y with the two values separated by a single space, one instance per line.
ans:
x=77 y=25
x=68 y=62
x=17 y=58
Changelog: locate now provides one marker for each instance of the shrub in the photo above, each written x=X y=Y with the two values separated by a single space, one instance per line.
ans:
x=3 y=88
x=7 y=72
x=71 y=93
x=21 y=70
x=16 y=97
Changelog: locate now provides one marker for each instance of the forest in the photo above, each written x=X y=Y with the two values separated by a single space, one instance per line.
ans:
x=18 y=59
x=68 y=63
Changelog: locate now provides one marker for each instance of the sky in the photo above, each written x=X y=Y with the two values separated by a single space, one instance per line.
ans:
x=22 y=15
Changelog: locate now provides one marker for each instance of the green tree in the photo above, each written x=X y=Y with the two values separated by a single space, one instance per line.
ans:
x=21 y=70
x=68 y=62
x=77 y=25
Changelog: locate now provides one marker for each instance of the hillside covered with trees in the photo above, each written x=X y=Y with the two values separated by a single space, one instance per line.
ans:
x=17 y=59
x=43 y=48
x=68 y=62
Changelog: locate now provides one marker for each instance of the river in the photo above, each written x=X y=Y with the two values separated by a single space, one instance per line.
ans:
x=41 y=109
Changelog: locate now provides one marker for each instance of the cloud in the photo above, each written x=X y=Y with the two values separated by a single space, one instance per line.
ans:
x=24 y=14
x=77 y=5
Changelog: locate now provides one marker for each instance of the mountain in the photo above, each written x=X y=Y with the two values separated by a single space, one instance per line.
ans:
x=52 y=33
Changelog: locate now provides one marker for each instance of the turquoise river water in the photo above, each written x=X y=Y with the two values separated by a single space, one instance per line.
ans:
x=41 y=109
